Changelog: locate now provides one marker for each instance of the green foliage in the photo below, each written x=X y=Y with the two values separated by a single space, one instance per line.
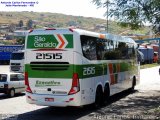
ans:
x=30 y=24
x=12 y=27
x=132 y=13
x=20 y=41
x=20 y=24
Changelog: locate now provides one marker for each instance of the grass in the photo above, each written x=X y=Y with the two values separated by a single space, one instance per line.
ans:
x=149 y=65
x=155 y=111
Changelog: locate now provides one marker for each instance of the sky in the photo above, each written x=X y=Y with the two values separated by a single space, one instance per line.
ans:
x=69 y=7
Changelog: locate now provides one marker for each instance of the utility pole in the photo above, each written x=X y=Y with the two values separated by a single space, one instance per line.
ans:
x=159 y=51
x=107 y=14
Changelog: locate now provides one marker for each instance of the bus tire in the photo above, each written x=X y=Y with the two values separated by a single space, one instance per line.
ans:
x=98 y=98
x=106 y=94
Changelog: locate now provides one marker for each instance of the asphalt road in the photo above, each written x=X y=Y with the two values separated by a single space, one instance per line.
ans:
x=142 y=103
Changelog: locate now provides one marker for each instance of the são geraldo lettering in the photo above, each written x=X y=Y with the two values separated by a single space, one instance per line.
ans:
x=39 y=42
x=47 y=44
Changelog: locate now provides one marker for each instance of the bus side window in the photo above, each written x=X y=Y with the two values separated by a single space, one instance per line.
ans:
x=100 y=49
x=110 y=53
x=89 y=47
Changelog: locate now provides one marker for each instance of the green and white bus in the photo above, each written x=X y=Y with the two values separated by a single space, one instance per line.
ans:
x=74 y=67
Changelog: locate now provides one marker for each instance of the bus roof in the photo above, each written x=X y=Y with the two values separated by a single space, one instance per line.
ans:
x=84 y=32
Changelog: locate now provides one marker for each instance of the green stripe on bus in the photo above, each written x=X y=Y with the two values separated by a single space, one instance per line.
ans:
x=66 y=71
x=59 y=72
x=37 y=72
x=69 y=38
x=91 y=70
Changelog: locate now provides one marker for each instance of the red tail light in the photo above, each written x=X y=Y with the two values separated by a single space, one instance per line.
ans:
x=71 y=29
x=75 y=84
x=31 y=30
x=28 y=89
x=26 y=78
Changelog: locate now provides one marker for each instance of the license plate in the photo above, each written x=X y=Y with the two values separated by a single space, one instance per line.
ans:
x=49 y=99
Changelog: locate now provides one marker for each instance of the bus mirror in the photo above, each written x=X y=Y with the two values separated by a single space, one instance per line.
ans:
x=140 y=56
x=137 y=46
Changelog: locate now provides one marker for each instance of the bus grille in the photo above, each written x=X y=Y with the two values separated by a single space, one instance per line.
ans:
x=49 y=66
x=15 y=68
x=15 y=63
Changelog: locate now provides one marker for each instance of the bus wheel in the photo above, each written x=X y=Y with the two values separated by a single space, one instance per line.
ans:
x=11 y=93
x=98 y=98
x=106 y=94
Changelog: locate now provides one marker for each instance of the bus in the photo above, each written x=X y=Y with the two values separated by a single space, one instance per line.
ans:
x=75 y=67
x=17 y=61
x=6 y=51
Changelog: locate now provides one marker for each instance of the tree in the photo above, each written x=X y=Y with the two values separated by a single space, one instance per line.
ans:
x=20 y=24
x=29 y=24
x=20 y=41
x=133 y=13
x=12 y=27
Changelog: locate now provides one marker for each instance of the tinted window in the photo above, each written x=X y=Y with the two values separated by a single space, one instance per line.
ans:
x=89 y=47
x=122 y=48
x=3 y=77
x=102 y=48
x=17 y=56
x=131 y=51
x=109 y=51
x=105 y=49
x=20 y=77
x=13 y=77
x=119 y=50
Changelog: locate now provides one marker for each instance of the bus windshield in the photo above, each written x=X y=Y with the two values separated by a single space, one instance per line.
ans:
x=17 y=56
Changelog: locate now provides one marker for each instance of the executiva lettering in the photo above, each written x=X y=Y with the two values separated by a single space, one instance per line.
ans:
x=46 y=83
